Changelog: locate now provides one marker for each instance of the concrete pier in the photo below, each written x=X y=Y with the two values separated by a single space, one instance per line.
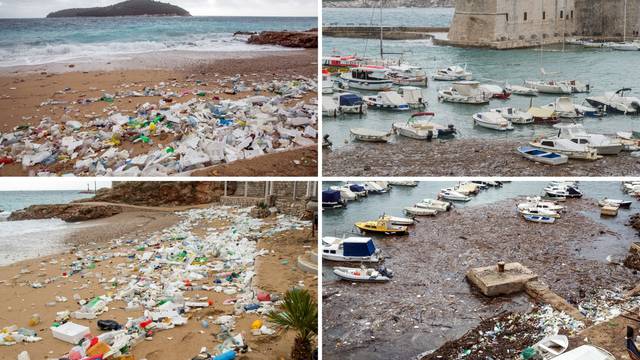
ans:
x=388 y=32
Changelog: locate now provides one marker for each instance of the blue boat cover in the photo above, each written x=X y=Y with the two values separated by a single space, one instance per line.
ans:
x=330 y=196
x=350 y=100
x=359 y=249
x=356 y=188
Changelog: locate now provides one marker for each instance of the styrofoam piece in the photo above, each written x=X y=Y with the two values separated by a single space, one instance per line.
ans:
x=70 y=332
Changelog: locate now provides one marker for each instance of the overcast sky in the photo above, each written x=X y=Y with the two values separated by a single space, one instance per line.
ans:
x=40 y=8
x=48 y=183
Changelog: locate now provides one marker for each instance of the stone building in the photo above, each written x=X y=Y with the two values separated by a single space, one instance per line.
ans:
x=505 y=24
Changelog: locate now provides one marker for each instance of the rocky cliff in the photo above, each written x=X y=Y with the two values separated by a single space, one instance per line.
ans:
x=294 y=39
x=125 y=8
x=164 y=193
x=66 y=212
x=387 y=3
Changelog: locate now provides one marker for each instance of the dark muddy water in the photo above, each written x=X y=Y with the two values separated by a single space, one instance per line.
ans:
x=429 y=302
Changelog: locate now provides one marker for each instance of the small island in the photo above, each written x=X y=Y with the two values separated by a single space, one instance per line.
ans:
x=125 y=8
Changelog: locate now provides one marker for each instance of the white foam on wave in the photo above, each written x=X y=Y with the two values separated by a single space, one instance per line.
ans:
x=22 y=55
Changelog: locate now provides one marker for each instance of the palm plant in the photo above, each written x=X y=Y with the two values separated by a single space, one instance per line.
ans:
x=300 y=313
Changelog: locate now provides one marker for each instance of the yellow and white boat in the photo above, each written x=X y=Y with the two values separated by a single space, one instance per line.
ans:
x=382 y=226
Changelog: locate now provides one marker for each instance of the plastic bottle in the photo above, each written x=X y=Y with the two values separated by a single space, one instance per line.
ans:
x=229 y=355
x=34 y=320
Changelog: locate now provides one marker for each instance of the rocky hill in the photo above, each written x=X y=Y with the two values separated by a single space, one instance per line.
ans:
x=164 y=193
x=125 y=8
x=387 y=3
x=296 y=39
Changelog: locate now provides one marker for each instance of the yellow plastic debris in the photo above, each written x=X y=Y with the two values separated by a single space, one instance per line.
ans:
x=256 y=324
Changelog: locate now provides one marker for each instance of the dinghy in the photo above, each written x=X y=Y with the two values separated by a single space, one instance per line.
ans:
x=356 y=249
x=576 y=133
x=567 y=147
x=515 y=116
x=369 y=135
x=417 y=211
x=362 y=274
x=387 y=100
x=542 y=156
x=540 y=219
x=464 y=92
x=492 y=120
x=423 y=130
x=453 y=73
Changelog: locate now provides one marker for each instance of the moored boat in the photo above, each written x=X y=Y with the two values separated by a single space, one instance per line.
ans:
x=492 y=120
x=350 y=103
x=452 y=195
x=355 y=249
x=514 y=115
x=381 y=226
x=464 y=92
x=387 y=100
x=567 y=147
x=577 y=134
x=548 y=86
x=362 y=274
x=395 y=220
x=369 y=135
x=373 y=78
x=539 y=219
x=434 y=204
x=543 y=156
x=616 y=102
x=614 y=202
x=423 y=130
x=453 y=73
x=418 y=211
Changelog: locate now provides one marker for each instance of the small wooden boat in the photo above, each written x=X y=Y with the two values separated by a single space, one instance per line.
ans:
x=382 y=226
x=397 y=220
x=540 y=219
x=369 y=135
x=552 y=346
x=538 y=212
x=543 y=156
x=616 y=203
x=417 y=211
x=362 y=274
x=434 y=204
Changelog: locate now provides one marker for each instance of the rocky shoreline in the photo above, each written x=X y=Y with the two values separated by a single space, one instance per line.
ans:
x=293 y=39
x=461 y=157
x=65 y=212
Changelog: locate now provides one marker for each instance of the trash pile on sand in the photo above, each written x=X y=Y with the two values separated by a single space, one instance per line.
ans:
x=607 y=304
x=156 y=279
x=200 y=132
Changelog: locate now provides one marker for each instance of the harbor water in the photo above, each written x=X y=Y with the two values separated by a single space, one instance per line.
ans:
x=603 y=69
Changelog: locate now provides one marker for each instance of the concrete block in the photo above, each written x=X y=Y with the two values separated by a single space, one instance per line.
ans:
x=491 y=282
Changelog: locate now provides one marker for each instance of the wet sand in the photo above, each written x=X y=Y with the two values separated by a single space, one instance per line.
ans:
x=23 y=90
x=429 y=301
x=461 y=157
x=20 y=301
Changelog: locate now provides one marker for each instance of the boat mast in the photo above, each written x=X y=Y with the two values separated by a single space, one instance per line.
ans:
x=381 y=33
x=624 y=32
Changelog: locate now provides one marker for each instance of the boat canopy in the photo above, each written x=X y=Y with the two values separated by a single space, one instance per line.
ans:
x=330 y=196
x=391 y=97
x=412 y=94
x=541 y=112
x=467 y=88
x=356 y=188
x=564 y=104
x=358 y=247
x=350 y=100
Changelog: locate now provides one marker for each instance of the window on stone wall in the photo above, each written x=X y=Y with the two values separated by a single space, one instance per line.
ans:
x=561 y=14
x=544 y=15
x=507 y=17
x=572 y=14
x=525 y=16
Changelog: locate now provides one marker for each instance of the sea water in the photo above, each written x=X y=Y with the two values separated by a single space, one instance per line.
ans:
x=40 y=41
x=604 y=69
x=27 y=239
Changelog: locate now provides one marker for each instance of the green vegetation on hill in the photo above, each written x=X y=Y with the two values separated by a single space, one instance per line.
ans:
x=125 y=8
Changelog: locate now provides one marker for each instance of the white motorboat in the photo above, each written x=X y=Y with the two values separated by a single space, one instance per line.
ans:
x=327 y=82
x=358 y=189
x=465 y=92
x=345 y=193
x=624 y=46
x=373 y=78
x=434 y=204
x=495 y=91
x=539 y=212
x=615 y=203
x=330 y=107
x=395 y=220
x=369 y=135
x=350 y=103
x=616 y=102
x=521 y=90
x=417 y=211
x=590 y=111
x=408 y=75
x=374 y=187
x=413 y=96
x=515 y=116
x=576 y=133
x=453 y=73
x=586 y=352
x=564 y=108
x=563 y=191
x=492 y=120
x=362 y=274
x=452 y=195
x=541 y=204
x=567 y=147
x=403 y=182
x=423 y=130
x=387 y=100
x=542 y=156
x=356 y=249
x=549 y=86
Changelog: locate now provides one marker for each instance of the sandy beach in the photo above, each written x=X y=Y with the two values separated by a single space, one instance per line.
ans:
x=61 y=90
x=276 y=272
